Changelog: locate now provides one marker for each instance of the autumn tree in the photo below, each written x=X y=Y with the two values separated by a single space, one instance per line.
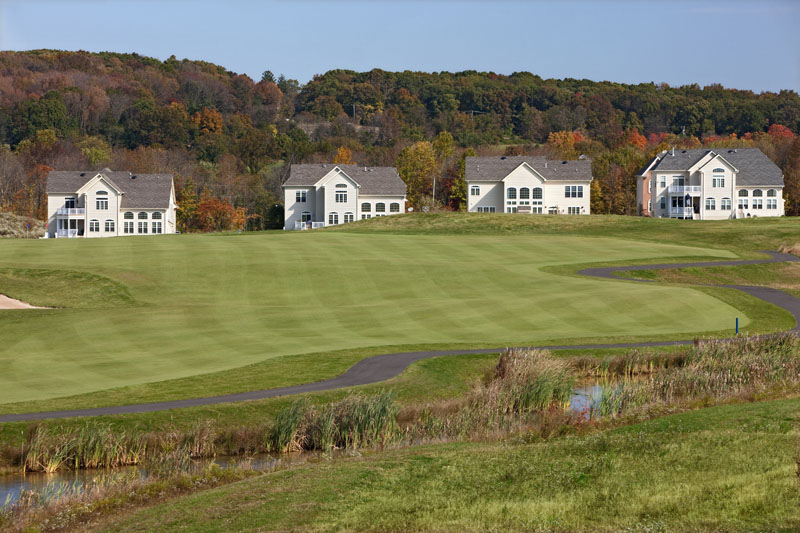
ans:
x=416 y=164
x=791 y=180
x=96 y=150
x=187 y=205
x=343 y=156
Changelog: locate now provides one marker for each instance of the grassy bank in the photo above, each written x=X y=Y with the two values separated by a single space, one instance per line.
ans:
x=727 y=468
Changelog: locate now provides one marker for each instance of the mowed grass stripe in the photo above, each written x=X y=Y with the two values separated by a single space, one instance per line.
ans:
x=202 y=304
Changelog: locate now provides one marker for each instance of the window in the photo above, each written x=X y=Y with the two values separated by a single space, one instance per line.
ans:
x=573 y=191
x=663 y=182
x=365 y=217
x=772 y=203
x=127 y=227
x=341 y=185
x=758 y=193
x=511 y=193
x=341 y=195
x=101 y=204
x=772 y=193
x=156 y=227
x=718 y=181
x=536 y=194
x=474 y=190
x=142 y=216
x=489 y=209
x=720 y=170
x=511 y=209
x=94 y=226
x=742 y=203
x=142 y=227
x=333 y=218
x=109 y=225
x=300 y=196
x=69 y=203
x=524 y=193
x=725 y=204
x=156 y=216
x=743 y=193
x=128 y=215
x=574 y=210
x=711 y=204
x=380 y=207
x=394 y=207
x=366 y=207
x=663 y=202
x=348 y=217
x=758 y=203
x=305 y=216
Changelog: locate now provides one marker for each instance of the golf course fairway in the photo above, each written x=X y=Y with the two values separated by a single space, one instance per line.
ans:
x=148 y=309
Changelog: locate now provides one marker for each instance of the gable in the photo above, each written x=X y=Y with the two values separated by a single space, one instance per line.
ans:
x=332 y=176
x=99 y=182
x=523 y=173
x=708 y=164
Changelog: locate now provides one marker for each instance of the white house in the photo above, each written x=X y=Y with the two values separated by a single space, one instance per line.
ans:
x=319 y=195
x=108 y=204
x=710 y=184
x=532 y=185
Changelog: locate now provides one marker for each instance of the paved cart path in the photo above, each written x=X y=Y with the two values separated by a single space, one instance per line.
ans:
x=382 y=367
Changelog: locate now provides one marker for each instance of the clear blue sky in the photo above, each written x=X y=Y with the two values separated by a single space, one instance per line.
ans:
x=748 y=45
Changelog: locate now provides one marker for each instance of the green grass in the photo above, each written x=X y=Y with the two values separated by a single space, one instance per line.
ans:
x=726 y=468
x=784 y=276
x=197 y=304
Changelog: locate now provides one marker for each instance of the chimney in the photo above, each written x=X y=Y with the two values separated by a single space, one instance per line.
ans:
x=673 y=151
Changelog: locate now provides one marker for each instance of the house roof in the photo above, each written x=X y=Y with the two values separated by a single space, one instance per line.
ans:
x=371 y=180
x=139 y=191
x=754 y=167
x=498 y=167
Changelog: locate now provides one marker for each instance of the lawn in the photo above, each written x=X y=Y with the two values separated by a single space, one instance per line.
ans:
x=149 y=309
x=726 y=468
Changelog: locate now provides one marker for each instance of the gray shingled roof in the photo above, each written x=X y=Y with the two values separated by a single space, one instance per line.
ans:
x=754 y=167
x=140 y=191
x=372 y=180
x=498 y=167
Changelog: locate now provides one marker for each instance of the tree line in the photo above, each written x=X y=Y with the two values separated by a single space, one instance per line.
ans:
x=229 y=140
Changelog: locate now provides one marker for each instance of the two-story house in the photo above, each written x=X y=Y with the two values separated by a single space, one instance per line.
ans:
x=108 y=204
x=319 y=195
x=710 y=184
x=532 y=185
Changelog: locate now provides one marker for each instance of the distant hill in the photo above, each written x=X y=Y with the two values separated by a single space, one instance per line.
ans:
x=13 y=226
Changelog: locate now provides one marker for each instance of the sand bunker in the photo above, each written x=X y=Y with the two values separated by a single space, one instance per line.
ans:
x=11 y=303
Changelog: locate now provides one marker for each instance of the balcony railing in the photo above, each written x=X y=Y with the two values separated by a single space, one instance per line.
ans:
x=71 y=211
x=67 y=233
x=690 y=189
x=298 y=225
x=681 y=212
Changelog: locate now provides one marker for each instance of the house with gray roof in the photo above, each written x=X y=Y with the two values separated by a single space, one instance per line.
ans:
x=527 y=184
x=108 y=203
x=323 y=194
x=710 y=184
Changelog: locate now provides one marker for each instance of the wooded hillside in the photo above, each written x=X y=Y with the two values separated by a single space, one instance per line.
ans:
x=229 y=139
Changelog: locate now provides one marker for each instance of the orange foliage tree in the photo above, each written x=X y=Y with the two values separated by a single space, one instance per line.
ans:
x=343 y=156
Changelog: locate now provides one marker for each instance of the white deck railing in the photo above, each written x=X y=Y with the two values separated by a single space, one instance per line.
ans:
x=71 y=211
x=67 y=233
x=298 y=225
x=690 y=189
x=681 y=212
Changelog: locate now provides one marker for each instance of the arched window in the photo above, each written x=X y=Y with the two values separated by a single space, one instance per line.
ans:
x=743 y=193
x=394 y=207
x=333 y=218
x=772 y=193
x=109 y=225
x=348 y=217
x=366 y=207
x=128 y=215
x=142 y=215
x=524 y=193
x=380 y=207
x=101 y=193
x=758 y=193
x=94 y=226
x=341 y=185
x=511 y=193
x=156 y=216
x=537 y=193
x=719 y=170
x=475 y=190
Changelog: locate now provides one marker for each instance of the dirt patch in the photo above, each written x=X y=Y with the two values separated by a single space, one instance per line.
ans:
x=11 y=303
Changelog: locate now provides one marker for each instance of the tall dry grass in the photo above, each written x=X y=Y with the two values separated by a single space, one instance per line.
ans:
x=790 y=248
